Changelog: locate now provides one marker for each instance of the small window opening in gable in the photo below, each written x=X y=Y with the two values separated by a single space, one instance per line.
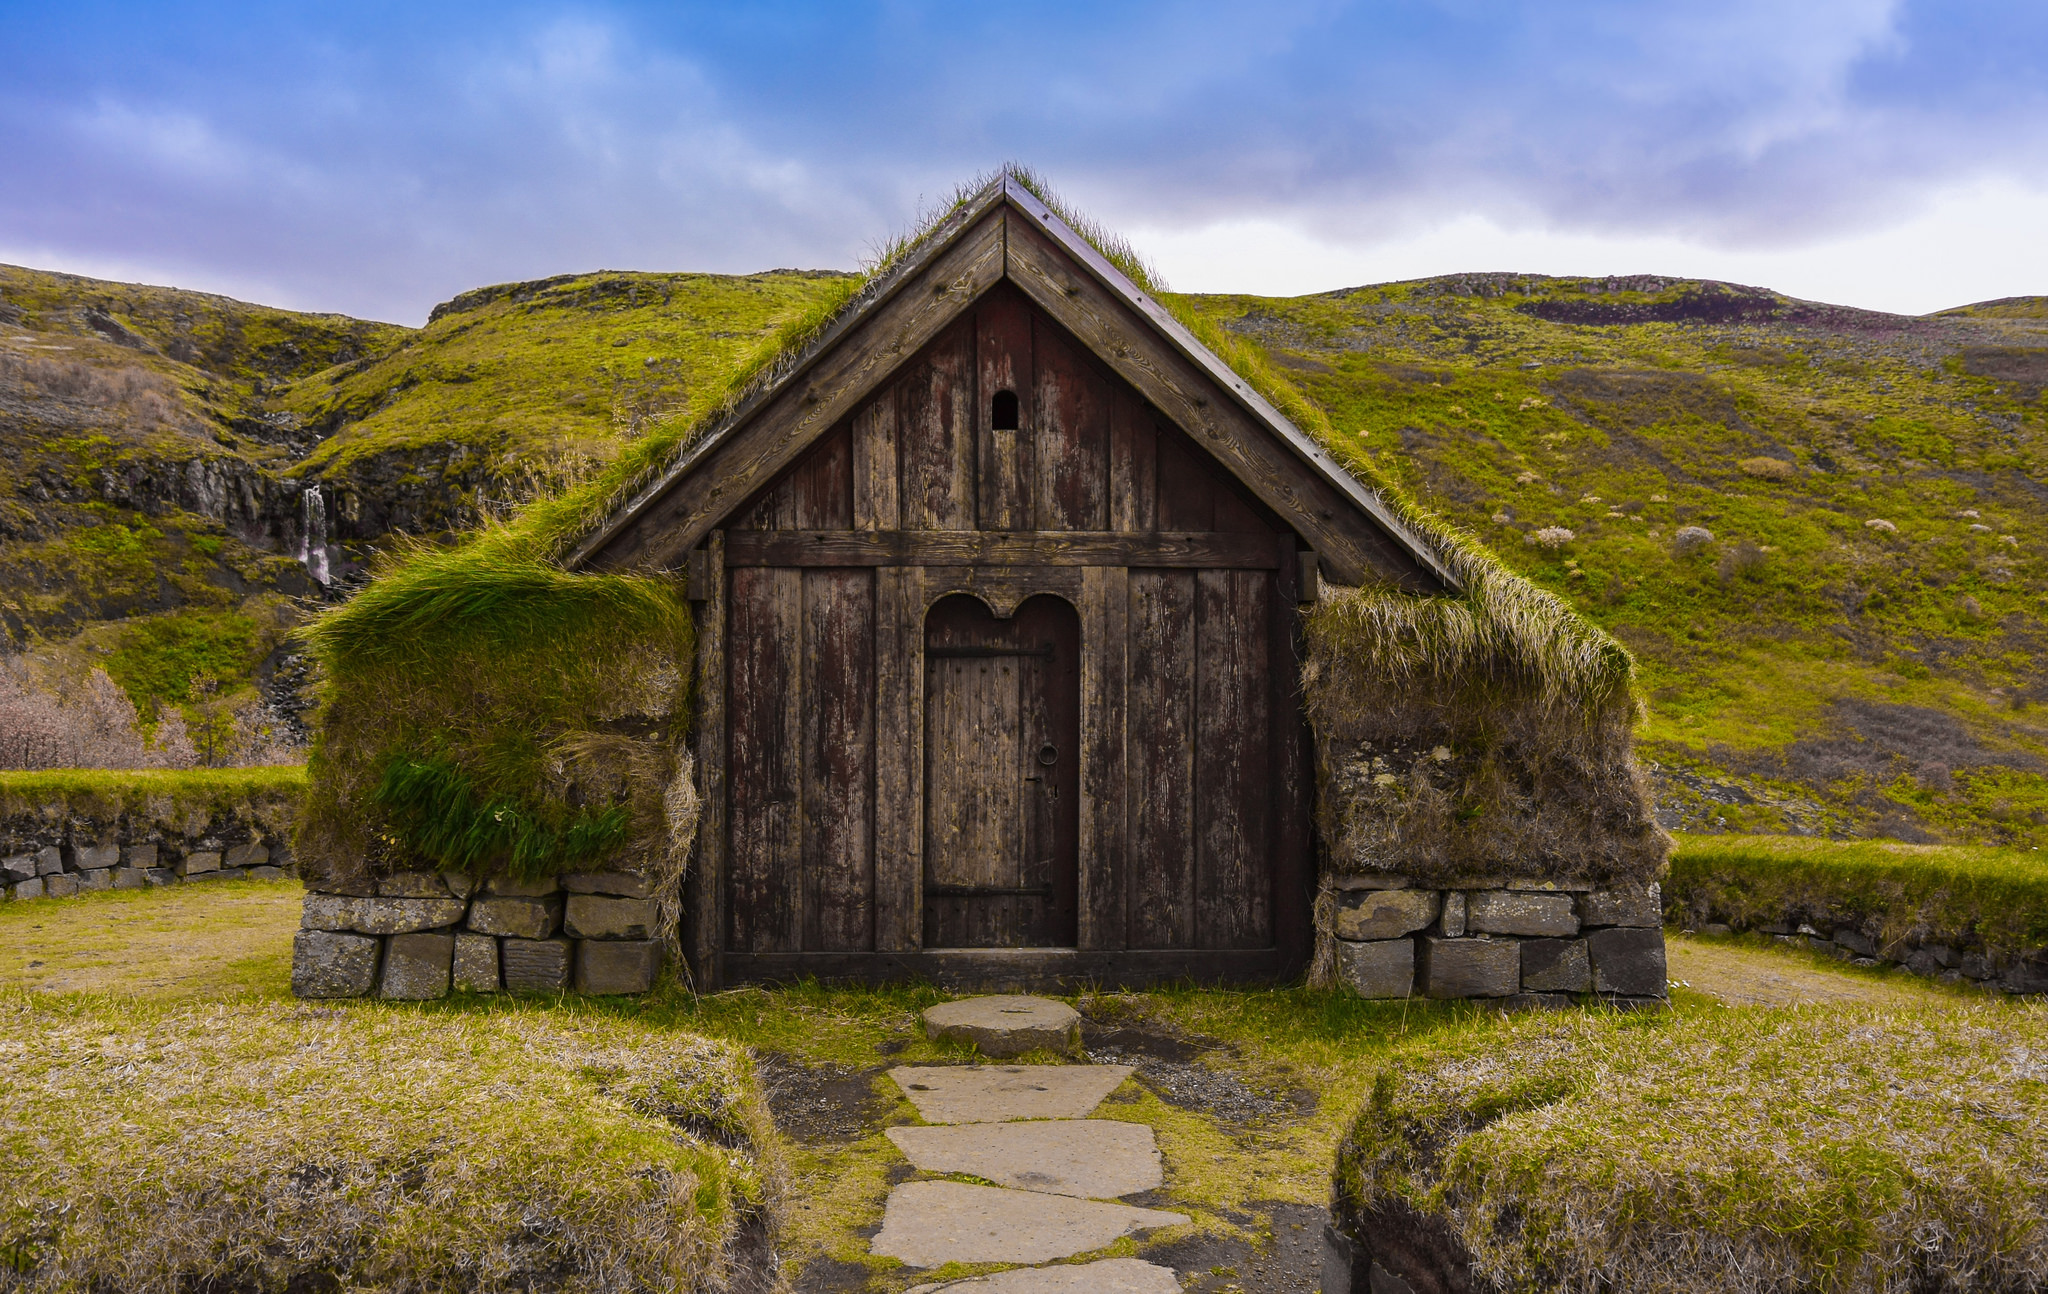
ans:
x=1003 y=414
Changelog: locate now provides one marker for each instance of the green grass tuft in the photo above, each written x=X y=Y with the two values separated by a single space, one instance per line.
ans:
x=442 y=818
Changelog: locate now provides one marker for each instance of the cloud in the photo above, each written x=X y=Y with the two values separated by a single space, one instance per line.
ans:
x=381 y=158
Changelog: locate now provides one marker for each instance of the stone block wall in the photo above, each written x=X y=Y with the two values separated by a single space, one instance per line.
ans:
x=1533 y=943
x=420 y=935
x=80 y=855
x=1952 y=957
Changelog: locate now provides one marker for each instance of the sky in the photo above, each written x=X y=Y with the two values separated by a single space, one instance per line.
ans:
x=374 y=158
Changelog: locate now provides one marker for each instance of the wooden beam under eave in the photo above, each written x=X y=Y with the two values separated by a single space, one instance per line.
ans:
x=748 y=457
x=1354 y=550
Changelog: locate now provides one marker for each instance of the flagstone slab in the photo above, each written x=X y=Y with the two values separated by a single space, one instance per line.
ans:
x=929 y=1224
x=1106 y=1276
x=1006 y=1024
x=995 y=1093
x=1091 y=1158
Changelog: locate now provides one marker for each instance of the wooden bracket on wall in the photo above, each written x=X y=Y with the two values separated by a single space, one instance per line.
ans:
x=1311 y=577
x=697 y=569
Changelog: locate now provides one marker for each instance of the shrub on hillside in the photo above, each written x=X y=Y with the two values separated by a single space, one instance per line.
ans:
x=46 y=722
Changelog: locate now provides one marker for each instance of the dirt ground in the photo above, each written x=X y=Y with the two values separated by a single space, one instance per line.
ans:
x=1742 y=975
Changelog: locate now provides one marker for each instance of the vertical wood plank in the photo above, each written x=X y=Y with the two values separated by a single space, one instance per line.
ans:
x=838 y=760
x=1292 y=787
x=899 y=766
x=1070 y=436
x=1160 y=751
x=1105 y=820
x=706 y=891
x=766 y=708
x=1003 y=346
x=974 y=792
x=935 y=431
x=875 y=469
x=1233 y=901
x=823 y=484
x=1131 y=474
x=1186 y=493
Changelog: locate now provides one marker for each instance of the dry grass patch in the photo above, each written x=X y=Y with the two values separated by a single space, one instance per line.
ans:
x=214 y=939
x=256 y=1147
x=1840 y=1149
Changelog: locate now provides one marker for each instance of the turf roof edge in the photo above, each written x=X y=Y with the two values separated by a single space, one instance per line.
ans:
x=1009 y=186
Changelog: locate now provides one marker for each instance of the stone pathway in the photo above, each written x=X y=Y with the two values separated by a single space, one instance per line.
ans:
x=1058 y=1173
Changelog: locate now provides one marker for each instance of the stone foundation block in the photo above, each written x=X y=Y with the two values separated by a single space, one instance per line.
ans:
x=326 y=964
x=202 y=860
x=476 y=963
x=1635 y=905
x=266 y=873
x=99 y=878
x=411 y=885
x=1510 y=912
x=515 y=918
x=517 y=889
x=62 y=885
x=1556 y=966
x=534 y=965
x=253 y=854
x=1372 y=881
x=405 y=916
x=130 y=878
x=96 y=858
x=142 y=856
x=597 y=916
x=1471 y=967
x=161 y=875
x=623 y=885
x=1381 y=969
x=29 y=889
x=49 y=860
x=328 y=912
x=18 y=868
x=416 y=967
x=1452 y=925
x=1385 y=914
x=1628 y=961
x=607 y=966
x=460 y=884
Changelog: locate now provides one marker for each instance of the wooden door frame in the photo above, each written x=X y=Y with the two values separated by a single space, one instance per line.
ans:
x=904 y=595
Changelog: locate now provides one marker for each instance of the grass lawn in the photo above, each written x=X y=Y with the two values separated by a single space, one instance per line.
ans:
x=1250 y=1092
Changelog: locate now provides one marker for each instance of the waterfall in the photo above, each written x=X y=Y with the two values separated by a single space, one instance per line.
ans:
x=313 y=535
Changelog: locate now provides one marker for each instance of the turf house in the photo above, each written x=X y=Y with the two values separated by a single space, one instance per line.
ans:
x=997 y=627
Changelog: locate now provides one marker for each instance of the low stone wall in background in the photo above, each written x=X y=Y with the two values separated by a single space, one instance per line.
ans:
x=130 y=832
x=420 y=935
x=1536 y=943
x=1952 y=957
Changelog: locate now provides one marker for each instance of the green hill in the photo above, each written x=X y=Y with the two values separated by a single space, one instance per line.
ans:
x=1853 y=646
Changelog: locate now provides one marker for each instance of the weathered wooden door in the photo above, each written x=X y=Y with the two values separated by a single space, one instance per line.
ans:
x=1001 y=785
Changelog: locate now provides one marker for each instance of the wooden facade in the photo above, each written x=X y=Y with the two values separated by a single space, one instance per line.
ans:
x=999 y=608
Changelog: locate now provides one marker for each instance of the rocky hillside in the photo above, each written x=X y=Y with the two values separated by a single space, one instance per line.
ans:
x=1820 y=529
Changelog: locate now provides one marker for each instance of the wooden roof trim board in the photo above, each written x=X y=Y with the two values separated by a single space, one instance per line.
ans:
x=929 y=248
x=610 y=545
x=1228 y=378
